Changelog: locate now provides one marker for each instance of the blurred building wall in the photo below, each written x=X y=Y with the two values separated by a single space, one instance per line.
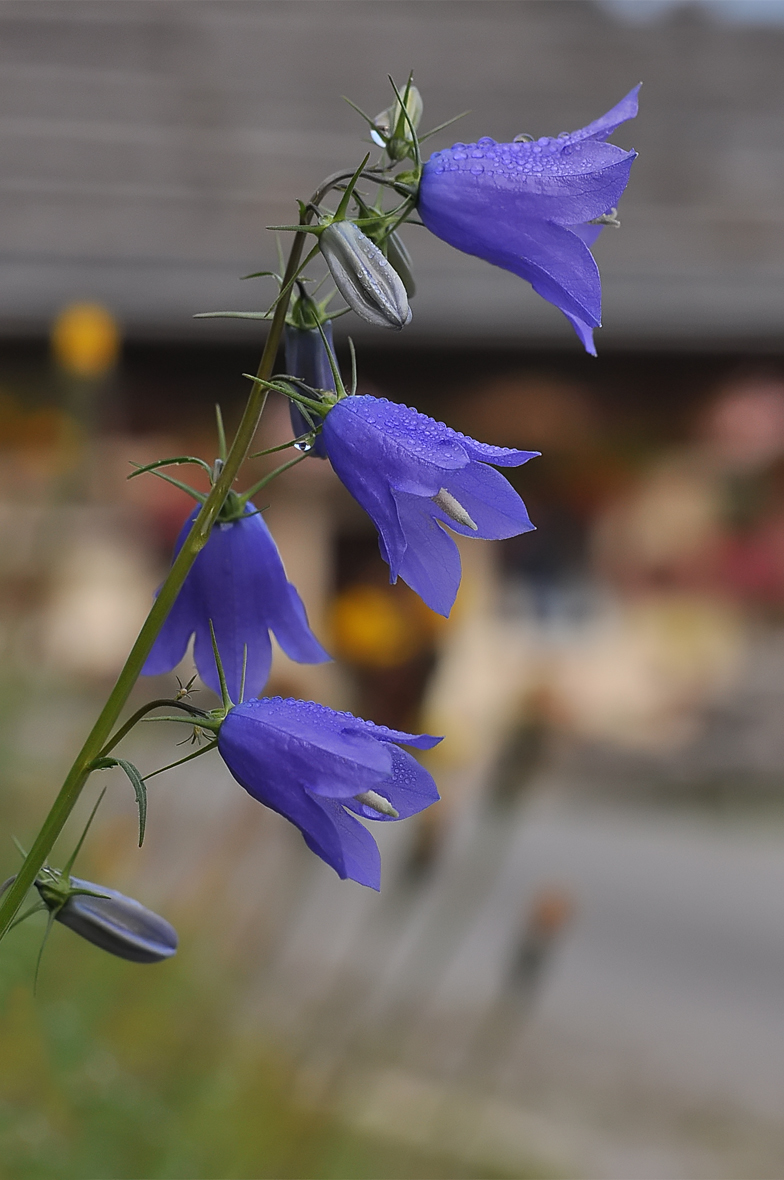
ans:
x=146 y=146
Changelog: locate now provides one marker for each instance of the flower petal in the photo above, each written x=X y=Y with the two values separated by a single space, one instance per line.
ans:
x=288 y=621
x=232 y=648
x=408 y=447
x=336 y=837
x=584 y=331
x=422 y=741
x=305 y=743
x=411 y=790
x=173 y=637
x=431 y=562
x=498 y=456
x=605 y=125
x=551 y=180
x=490 y=501
x=345 y=845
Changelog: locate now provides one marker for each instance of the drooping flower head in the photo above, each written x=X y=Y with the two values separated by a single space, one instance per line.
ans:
x=321 y=769
x=239 y=584
x=528 y=208
x=415 y=478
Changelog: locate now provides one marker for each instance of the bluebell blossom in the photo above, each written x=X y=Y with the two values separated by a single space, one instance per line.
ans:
x=528 y=208
x=238 y=582
x=306 y=358
x=413 y=476
x=321 y=769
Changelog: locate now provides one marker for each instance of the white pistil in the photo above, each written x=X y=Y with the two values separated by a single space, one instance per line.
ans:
x=453 y=508
x=378 y=803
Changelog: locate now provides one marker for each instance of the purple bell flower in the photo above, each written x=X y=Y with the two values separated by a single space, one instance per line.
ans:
x=527 y=208
x=320 y=769
x=237 y=581
x=412 y=476
x=306 y=358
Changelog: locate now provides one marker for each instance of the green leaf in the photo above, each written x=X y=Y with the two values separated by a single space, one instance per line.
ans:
x=231 y=315
x=178 y=460
x=137 y=782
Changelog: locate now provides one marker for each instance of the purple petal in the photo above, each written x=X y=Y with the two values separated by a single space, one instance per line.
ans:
x=346 y=845
x=584 y=331
x=498 y=456
x=551 y=180
x=328 y=831
x=600 y=128
x=343 y=437
x=412 y=790
x=422 y=741
x=172 y=642
x=288 y=621
x=587 y=233
x=238 y=582
x=303 y=743
x=560 y=268
x=232 y=649
x=490 y=501
x=407 y=446
x=431 y=563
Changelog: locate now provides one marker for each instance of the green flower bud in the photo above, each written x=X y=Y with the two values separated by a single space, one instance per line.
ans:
x=367 y=281
x=391 y=129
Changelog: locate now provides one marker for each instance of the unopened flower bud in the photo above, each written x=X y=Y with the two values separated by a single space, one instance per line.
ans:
x=393 y=131
x=367 y=281
x=110 y=920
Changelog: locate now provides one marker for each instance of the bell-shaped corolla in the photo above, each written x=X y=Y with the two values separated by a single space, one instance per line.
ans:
x=238 y=584
x=415 y=478
x=321 y=769
x=532 y=208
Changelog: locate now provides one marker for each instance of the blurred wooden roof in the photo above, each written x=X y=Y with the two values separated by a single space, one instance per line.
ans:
x=146 y=145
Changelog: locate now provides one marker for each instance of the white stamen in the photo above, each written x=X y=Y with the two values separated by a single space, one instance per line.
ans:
x=378 y=803
x=453 y=508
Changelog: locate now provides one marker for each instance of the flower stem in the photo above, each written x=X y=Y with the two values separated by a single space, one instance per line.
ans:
x=194 y=543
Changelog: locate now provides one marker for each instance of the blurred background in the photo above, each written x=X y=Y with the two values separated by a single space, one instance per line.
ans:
x=576 y=963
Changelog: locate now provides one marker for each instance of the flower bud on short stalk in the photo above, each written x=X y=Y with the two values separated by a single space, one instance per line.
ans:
x=392 y=130
x=106 y=918
x=369 y=284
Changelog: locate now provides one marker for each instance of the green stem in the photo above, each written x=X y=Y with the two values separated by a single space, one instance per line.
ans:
x=145 y=709
x=194 y=543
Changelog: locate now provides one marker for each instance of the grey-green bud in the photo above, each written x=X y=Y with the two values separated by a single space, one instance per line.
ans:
x=392 y=131
x=369 y=284
x=108 y=919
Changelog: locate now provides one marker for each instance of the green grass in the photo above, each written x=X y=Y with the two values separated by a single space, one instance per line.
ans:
x=115 y=1070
